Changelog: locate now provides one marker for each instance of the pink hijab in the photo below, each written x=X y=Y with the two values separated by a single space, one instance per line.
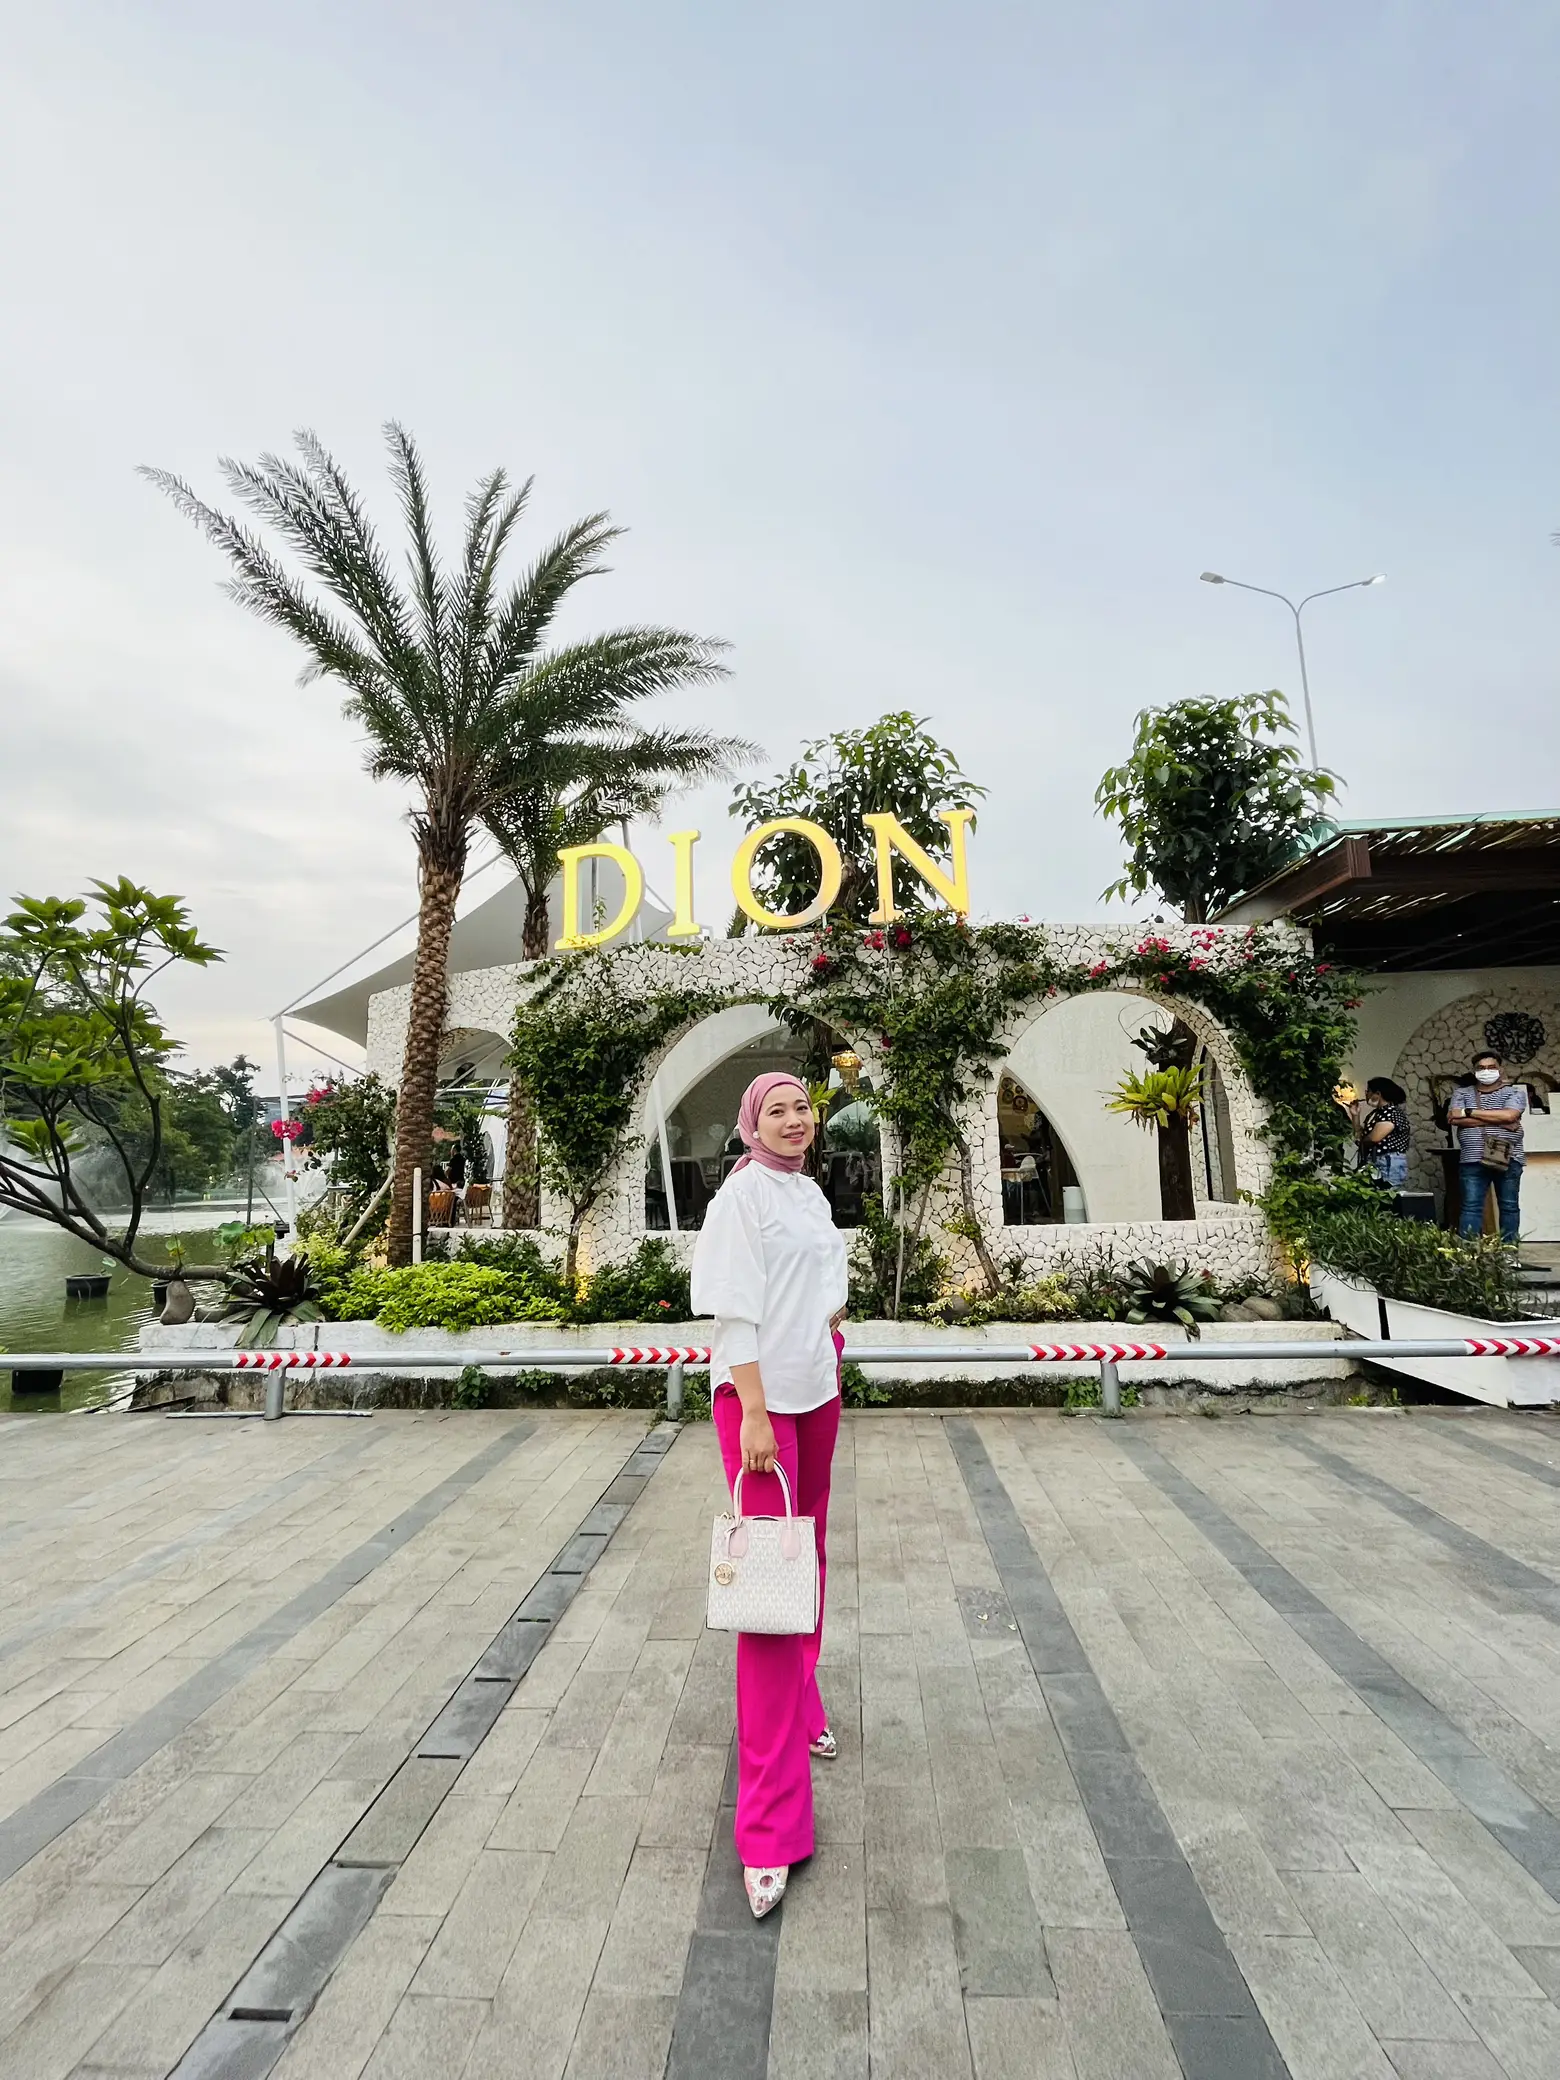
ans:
x=747 y=1125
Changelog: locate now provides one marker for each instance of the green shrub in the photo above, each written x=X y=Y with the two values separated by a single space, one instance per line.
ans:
x=1086 y=1393
x=474 y=1388
x=1410 y=1260
x=883 y=1252
x=520 y=1256
x=857 y=1391
x=435 y=1296
x=650 y=1286
x=1292 y=1204
x=1048 y=1299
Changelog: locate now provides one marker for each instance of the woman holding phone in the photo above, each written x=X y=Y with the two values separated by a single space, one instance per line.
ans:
x=770 y=1266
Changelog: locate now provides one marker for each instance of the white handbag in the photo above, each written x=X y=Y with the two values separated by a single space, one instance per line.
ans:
x=763 y=1570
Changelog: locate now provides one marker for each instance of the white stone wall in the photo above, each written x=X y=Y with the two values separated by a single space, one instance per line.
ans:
x=751 y=971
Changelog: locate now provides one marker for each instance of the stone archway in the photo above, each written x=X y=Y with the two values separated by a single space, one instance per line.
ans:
x=771 y=969
x=1248 y=1153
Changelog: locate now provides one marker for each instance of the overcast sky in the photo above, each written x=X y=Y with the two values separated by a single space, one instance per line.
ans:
x=928 y=351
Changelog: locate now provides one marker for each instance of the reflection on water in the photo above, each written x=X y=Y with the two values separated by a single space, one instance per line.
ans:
x=36 y=1316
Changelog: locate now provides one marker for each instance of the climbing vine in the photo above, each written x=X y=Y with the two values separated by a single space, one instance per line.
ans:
x=579 y=1044
x=939 y=996
x=936 y=998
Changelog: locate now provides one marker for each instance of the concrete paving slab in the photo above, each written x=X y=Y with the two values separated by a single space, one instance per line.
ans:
x=1139 y=1774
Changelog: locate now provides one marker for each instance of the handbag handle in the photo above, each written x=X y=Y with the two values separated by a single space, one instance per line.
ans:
x=736 y=1493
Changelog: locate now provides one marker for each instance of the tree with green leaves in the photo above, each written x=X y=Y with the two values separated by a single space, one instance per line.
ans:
x=349 y=1129
x=895 y=766
x=572 y=771
x=445 y=672
x=84 y=1058
x=1212 y=801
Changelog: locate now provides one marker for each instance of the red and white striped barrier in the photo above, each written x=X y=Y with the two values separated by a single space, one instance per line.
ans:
x=289 y=1361
x=1513 y=1346
x=1115 y=1353
x=656 y=1354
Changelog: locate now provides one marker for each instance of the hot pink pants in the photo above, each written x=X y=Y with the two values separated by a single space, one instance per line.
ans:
x=779 y=1711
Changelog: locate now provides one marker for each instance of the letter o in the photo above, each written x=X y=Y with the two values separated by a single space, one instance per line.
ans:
x=831 y=874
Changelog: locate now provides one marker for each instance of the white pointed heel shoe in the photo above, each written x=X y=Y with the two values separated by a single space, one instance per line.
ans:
x=765 y=1888
x=825 y=1747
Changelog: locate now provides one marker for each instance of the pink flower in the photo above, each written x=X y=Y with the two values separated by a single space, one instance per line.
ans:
x=1194 y=964
x=287 y=1129
x=1099 y=968
x=1324 y=967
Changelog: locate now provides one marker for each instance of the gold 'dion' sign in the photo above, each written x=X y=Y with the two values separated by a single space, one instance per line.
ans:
x=889 y=835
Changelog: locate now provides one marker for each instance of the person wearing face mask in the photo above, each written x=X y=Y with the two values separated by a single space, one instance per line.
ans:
x=1486 y=1116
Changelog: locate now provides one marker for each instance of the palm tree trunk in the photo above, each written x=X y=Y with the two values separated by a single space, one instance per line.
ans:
x=1177 y=1191
x=522 y=1197
x=1177 y=1194
x=442 y=865
x=522 y=1190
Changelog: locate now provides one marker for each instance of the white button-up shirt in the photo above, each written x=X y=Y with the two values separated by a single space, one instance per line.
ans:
x=770 y=1265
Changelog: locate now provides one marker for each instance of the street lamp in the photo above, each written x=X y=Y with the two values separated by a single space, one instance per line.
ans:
x=1354 y=585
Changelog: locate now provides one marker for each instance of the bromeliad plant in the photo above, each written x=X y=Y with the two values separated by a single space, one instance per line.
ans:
x=1157 y=1098
x=1170 y=1293
x=268 y=1293
x=1166 y=1102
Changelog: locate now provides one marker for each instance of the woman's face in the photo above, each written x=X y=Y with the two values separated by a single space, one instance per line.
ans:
x=785 y=1121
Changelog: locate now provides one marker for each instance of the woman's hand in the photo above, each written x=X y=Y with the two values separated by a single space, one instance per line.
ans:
x=757 y=1441
x=836 y=1318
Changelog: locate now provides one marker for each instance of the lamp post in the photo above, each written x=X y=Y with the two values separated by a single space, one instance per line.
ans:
x=1354 y=585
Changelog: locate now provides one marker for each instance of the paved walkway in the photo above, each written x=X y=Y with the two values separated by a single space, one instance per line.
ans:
x=397 y=1748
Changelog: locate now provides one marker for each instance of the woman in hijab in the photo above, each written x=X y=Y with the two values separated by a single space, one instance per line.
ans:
x=770 y=1266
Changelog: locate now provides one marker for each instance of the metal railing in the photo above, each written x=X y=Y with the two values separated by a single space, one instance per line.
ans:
x=679 y=1359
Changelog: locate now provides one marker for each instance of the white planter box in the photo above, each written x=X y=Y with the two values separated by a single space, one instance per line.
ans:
x=1507 y=1382
x=521 y=1339
x=1227 y=1375
x=1356 y=1306
x=1502 y=1382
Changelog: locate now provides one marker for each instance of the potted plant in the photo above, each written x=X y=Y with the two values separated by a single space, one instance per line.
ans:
x=1402 y=1280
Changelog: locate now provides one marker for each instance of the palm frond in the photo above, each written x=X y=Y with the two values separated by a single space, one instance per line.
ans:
x=490 y=520
x=428 y=585
x=263 y=585
x=351 y=516
x=532 y=601
x=279 y=492
x=588 y=685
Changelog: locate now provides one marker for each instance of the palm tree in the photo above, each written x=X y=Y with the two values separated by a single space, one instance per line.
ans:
x=442 y=673
x=575 y=768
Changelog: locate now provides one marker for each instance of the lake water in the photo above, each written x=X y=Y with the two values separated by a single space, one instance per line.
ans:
x=35 y=1315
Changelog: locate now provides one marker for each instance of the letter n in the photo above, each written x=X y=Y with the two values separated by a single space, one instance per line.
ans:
x=892 y=837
